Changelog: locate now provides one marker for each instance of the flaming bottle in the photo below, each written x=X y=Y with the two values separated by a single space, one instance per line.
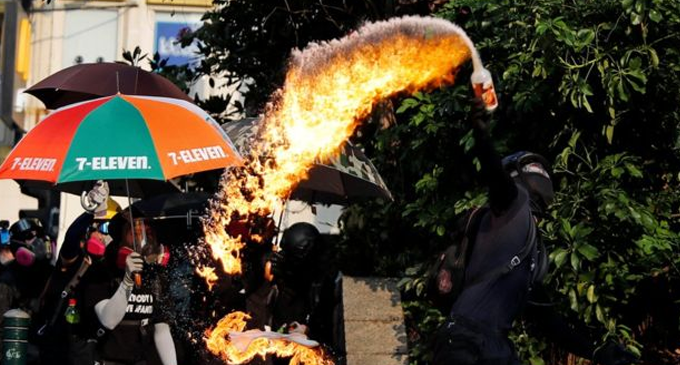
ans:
x=482 y=84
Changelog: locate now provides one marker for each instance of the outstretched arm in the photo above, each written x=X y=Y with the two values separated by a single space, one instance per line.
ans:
x=502 y=189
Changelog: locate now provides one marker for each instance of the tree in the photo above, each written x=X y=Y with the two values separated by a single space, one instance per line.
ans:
x=593 y=86
x=590 y=86
x=249 y=42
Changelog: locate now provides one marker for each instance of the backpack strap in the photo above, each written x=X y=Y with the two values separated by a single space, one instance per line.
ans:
x=472 y=227
x=63 y=297
x=530 y=243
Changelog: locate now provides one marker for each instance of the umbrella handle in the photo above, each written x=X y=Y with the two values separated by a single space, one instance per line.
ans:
x=138 y=280
x=86 y=203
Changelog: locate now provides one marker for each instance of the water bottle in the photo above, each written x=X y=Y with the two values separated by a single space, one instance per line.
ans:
x=482 y=84
x=72 y=315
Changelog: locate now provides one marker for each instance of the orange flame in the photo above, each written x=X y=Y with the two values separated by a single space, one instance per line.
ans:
x=329 y=88
x=217 y=341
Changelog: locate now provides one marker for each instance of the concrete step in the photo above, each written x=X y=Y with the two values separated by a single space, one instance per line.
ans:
x=374 y=322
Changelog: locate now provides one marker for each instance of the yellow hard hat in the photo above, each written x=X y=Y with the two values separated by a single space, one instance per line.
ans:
x=112 y=208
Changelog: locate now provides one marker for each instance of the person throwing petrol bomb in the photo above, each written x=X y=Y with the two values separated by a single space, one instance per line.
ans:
x=132 y=321
x=506 y=266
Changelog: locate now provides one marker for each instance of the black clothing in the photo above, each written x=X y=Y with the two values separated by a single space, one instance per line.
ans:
x=497 y=301
x=476 y=332
x=131 y=341
x=62 y=342
x=485 y=309
x=75 y=234
x=461 y=341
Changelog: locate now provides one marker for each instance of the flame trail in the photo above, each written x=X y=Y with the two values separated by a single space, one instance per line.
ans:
x=329 y=88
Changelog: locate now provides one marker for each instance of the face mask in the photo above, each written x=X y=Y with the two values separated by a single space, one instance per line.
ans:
x=95 y=247
x=123 y=253
x=42 y=249
x=24 y=256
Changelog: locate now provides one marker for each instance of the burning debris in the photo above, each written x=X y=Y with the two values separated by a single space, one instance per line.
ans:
x=221 y=342
x=329 y=89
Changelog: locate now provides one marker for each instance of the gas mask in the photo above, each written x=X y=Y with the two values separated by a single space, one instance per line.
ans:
x=98 y=241
x=42 y=248
x=24 y=256
x=37 y=249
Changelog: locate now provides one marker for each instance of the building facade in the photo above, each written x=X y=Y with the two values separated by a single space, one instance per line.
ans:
x=40 y=38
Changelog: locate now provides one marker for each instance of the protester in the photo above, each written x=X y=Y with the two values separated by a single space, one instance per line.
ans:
x=8 y=290
x=506 y=266
x=64 y=340
x=26 y=266
x=306 y=282
x=131 y=316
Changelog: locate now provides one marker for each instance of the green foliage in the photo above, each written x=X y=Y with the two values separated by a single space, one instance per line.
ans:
x=592 y=85
x=569 y=75
x=607 y=239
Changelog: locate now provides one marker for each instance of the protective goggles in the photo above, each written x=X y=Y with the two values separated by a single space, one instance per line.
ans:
x=103 y=228
x=4 y=237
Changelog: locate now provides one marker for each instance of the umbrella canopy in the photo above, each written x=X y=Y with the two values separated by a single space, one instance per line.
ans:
x=349 y=176
x=120 y=137
x=88 y=81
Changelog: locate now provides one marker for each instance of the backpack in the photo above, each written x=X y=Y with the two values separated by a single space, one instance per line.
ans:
x=446 y=276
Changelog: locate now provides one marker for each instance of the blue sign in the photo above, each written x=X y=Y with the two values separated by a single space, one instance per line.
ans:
x=167 y=46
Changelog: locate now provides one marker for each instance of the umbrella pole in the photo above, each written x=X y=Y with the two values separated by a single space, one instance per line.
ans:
x=132 y=225
x=137 y=276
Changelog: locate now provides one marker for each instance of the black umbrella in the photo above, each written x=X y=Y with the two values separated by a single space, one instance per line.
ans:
x=349 y=176
x=93 y=80
x=173 y=205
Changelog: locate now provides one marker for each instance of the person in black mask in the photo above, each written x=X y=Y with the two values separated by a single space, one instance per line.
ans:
x=506 y=266
x=80 y=263
x=26 y=267
x=306 y=282
x=132 y=316
x=32 y=251
x=8 y=290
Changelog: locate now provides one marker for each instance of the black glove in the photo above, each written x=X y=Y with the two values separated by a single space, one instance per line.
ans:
x=278 y=265
x=612 y=353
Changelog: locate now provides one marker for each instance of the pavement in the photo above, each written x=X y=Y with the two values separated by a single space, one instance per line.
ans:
x=374 y=322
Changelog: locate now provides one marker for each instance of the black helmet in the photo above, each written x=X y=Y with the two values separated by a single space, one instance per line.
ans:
x=299 y=240
x=533 y=172
x=25 y=229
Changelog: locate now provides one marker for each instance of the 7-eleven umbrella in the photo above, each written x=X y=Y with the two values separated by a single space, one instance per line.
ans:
x=117 y=138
